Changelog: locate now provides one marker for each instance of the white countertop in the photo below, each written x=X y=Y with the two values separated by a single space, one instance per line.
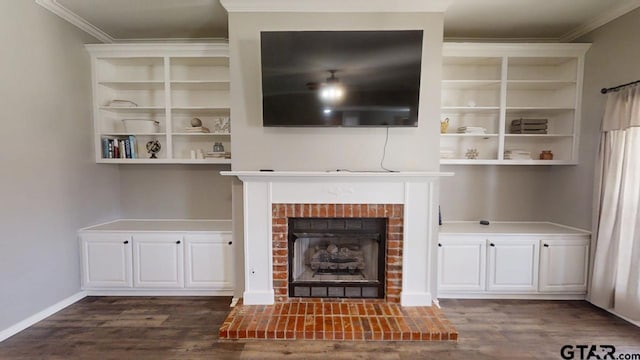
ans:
x=338 y=173
x=509 y=227
x=162 y=225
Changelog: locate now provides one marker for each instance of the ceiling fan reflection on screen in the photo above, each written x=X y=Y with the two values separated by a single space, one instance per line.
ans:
x=329 y=91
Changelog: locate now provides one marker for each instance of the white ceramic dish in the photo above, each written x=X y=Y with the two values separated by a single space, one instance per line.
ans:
x=141 y=125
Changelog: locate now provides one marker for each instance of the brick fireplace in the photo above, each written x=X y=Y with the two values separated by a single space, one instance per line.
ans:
x=345 y=216
x=407 y=200
x=274 y=202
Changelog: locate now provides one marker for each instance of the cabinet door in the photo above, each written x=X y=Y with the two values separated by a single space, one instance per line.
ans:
x=563 y=265
x=106 y=261
x=209 y=261
x=158 y=261
x=461 y=264
x=513 y=264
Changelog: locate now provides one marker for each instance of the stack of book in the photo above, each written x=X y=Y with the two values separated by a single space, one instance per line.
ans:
x=196 y=129
x=471 y=130
x=218 y=155
x=529 y=126
x=119 y=147
x=517 y=155
x=447 y=154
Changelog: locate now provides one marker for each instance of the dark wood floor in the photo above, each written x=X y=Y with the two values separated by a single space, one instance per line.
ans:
x=187 y=328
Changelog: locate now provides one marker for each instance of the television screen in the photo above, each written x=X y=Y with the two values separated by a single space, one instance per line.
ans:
x=341 y=78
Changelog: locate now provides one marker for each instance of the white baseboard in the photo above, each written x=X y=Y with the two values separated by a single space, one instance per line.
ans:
x=258 y=298
x=16 y=328
x=154 y=292
x=415 y=299
x=612 y=311
x=531 y=296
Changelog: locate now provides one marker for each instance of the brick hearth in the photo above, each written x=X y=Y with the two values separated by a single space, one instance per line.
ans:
x=356 y=320
x=393 y=263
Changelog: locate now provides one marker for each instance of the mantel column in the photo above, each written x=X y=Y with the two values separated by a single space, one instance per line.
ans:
x=257 y=225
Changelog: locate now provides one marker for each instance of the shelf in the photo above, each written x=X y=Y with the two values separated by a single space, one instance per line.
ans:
x=133 y=85
x=205 y=161
x=198 y=108
x=469 y=162
x=468 y=135
x=200 y=85
x=470 y=108
x=204 y=61
x=470 y=84
x=538 y=109
x=131 y=134
x=164 y=161
x=538 y=84
x=202 y=110
x=201 y=134
x=133 y=109
x=538 y=135
x=504 y=162
x=538 y=162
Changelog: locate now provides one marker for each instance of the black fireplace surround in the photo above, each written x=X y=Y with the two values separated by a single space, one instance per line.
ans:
x=337 y=257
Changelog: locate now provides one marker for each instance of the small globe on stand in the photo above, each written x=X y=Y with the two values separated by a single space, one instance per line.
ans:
x=153 y=147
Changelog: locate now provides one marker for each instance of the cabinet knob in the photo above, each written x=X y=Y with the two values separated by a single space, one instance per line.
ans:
x=546 y=245
x=439 y=245
x=178 y=242
x=230 y=242
x=126 y=242
x=492 y=244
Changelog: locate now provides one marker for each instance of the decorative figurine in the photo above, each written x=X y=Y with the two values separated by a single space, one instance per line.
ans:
x=195 y=122
x=472 y=154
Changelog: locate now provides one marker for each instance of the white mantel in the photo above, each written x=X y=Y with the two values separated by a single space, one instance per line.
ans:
x=414 y=190
x=372 y=175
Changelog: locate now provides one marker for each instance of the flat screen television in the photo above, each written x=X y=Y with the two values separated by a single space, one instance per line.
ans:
x=341 y=78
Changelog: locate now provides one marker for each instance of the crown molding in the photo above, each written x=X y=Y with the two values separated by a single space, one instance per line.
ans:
x=73 y=18
x=599 y=20
x=207 y=40
x=336 y=6
x=454 y=39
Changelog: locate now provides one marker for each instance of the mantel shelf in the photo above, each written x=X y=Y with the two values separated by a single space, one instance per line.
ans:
x=336 y=174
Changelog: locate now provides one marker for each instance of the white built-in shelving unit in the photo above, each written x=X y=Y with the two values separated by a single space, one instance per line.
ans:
x=489 y=85
x=171 y=84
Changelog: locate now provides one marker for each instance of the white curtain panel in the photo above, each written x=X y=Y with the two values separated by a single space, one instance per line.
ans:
x=615 y=282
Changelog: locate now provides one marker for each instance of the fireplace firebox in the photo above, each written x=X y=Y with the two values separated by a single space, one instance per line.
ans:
x=337 y=257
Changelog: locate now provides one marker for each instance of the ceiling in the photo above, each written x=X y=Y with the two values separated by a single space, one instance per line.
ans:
x=535 y=20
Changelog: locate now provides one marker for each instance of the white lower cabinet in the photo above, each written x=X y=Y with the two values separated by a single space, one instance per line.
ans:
x=119 y=262
x=513 y=265
x=158 y=261
x=523 y=265
x=462 y=264
x=563 y=265
x=207 y=262
x=106 y=261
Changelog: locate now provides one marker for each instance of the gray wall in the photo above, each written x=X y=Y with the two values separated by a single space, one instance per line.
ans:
x=499 y=193
x=611 y=61
x=255 y=147
x=175 y=192
x=50 y=184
